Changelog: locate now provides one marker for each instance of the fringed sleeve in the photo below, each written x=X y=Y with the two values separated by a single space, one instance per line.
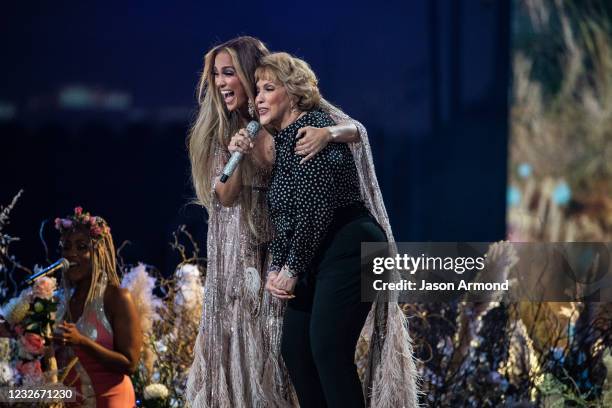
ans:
x=390 y=378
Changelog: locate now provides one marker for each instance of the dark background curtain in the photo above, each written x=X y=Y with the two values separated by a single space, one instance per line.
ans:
x=428 y=78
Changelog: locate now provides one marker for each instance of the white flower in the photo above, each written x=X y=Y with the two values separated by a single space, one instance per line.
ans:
x=160 y=346
x=188 y=272
x=190 y=289
x=44 y=287
x=15 y=310
x=6 y=373
x=153 y=391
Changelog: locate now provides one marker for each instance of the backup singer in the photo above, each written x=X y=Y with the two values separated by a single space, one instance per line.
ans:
x=96 y=320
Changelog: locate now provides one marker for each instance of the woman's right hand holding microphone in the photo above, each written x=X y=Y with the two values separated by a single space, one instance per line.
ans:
x=240 y=142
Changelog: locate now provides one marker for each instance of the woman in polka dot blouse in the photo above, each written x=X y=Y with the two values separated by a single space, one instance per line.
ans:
x=319 y=220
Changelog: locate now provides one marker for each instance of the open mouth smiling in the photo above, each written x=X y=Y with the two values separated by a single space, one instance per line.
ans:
x=228 y=96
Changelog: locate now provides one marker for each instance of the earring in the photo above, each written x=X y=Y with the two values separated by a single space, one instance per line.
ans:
x=251 y=108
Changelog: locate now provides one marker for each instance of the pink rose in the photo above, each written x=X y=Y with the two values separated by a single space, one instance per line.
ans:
x=32 y=343
x=96 y=231
x=44 y=287
x=67 y=224
x=92 y=221
x=31 y=371
x=78 y=210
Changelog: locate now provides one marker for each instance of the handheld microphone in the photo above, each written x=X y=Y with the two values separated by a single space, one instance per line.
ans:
x=61 y=264
x=252 y=129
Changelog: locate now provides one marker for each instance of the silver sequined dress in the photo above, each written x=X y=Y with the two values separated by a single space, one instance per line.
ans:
x=237 y=351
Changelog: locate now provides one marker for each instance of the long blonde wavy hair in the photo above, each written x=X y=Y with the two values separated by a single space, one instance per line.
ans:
x=215 y=125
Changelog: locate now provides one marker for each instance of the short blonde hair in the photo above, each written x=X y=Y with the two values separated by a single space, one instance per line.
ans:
x=295 y=75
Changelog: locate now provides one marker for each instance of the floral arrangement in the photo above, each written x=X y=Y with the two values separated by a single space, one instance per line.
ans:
x=31 y=318
x=470 y=354
x=168 y=350
x=97 y=226
x=170 y=324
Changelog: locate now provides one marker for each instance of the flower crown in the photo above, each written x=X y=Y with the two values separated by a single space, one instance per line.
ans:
x=98 y=228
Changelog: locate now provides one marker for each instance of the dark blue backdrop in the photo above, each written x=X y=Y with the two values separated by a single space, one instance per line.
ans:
x=429 y=79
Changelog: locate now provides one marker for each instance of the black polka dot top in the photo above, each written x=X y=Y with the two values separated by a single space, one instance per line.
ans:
x=303 y=197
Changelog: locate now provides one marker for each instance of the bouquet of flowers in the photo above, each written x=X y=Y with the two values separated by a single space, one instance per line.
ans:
x=31 y=317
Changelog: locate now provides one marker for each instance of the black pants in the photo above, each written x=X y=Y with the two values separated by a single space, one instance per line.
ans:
x=322 y=324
